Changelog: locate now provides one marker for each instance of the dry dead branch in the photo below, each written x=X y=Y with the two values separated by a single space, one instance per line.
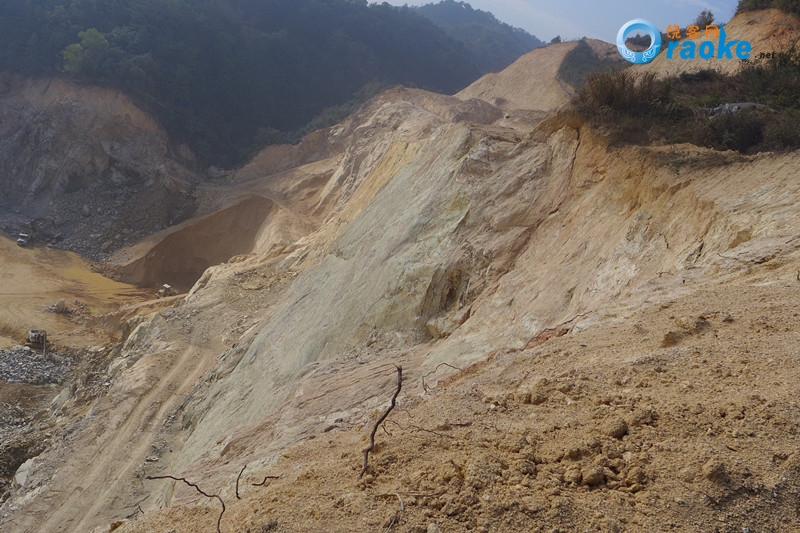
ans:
x=412 y=426
x=381 y=419
x=397 y=514
x=424 y=386
x=265 y=481
x=198 y=489
x=237 y=481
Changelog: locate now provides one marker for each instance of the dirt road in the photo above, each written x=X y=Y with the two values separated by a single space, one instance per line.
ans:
x=32 y=279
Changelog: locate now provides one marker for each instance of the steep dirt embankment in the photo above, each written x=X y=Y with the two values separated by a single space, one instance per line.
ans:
x=585 y=332
x=532 y=82
x=487 y=244
x=97 y=169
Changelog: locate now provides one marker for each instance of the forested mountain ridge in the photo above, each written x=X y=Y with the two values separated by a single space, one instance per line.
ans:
x=228 y=76
x=493 y=44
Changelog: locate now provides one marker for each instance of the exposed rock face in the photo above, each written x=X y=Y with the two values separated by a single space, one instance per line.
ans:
x=89 y=162
x=429 y=230
x=366 y=272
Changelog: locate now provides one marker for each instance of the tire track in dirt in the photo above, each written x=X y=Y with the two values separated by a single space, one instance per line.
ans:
x=109 y=450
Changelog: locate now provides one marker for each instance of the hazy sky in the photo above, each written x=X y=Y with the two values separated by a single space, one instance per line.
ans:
x=600 y=19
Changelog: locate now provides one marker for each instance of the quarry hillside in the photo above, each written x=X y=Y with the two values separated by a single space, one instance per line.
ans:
x=91 y=170
x=575 y=336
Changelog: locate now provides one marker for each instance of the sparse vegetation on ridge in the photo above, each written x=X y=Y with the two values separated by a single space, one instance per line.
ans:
x=690 y=107
x=787 y=6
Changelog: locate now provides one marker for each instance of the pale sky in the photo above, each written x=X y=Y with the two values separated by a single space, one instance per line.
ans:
x=573 y=19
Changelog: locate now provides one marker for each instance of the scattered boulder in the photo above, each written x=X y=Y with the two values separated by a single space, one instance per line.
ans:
x=573 y=475
x=21 y=475
x=60 y=307
x=643 y=416
x=635 y=476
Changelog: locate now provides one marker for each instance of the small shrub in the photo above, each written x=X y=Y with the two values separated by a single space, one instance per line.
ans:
x=700 y=76
x=623 y=93
x=704 y=19
x=736 y=131
x=782 y=132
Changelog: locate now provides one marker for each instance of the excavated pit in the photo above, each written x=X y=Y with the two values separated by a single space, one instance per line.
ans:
x=180 y=255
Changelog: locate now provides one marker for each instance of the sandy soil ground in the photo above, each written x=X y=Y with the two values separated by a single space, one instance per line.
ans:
x=679 y=414
x=33 y=279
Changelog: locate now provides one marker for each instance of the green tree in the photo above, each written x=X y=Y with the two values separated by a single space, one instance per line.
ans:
x=89 y=57
x=704 y=19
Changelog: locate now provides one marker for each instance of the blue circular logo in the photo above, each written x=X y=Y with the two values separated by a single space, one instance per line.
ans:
x=639 y=57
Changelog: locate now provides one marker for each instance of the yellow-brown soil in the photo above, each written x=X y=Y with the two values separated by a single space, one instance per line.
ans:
x=32 y=279
x=679 y=416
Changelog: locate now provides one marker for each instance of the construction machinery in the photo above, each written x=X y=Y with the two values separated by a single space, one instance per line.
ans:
x=37 y=338
x=166 y=290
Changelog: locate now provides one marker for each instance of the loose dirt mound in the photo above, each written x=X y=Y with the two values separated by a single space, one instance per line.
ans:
x=532 y=82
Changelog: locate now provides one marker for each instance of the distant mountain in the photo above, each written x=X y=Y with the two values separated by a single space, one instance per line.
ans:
x=493 y=44
x=228 y=76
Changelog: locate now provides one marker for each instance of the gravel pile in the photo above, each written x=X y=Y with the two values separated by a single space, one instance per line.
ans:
x=23 y=365
x=11 y=416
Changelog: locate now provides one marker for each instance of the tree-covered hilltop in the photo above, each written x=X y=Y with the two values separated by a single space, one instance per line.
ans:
x=228 y=76
x=493 y=44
